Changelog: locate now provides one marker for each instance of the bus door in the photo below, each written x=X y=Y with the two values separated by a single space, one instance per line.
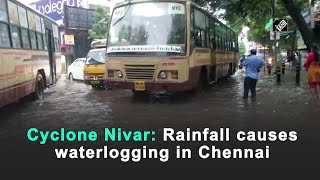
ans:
x=50 y=44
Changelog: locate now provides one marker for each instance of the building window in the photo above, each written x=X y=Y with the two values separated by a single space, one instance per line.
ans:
x=15 y=35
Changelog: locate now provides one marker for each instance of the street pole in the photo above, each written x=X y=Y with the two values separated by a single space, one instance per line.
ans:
x=298 y=70
x=264 y=52
x=278 y=69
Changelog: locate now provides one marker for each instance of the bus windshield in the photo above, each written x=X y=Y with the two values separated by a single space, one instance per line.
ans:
x=148 y=27
x=96 y=56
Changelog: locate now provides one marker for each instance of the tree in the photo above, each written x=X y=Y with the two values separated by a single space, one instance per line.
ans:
x=300 y=22
x=256 y=13
x=100 y=29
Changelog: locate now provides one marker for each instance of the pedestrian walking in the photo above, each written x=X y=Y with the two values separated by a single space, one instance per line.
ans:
x=252 y=65
x=312 y=66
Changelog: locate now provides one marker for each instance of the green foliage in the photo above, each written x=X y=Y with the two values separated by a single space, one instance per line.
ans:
x=100 y=29
x=251 y=13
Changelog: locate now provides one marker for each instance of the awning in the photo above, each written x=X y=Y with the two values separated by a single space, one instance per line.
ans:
x=286 y=33
x=268 y=25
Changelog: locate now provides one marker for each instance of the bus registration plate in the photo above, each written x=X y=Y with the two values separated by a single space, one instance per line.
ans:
x=139 y=86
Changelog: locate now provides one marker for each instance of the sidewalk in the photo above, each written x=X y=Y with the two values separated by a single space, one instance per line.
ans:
x=283 y=105
x=287 y=92
x=287 y=79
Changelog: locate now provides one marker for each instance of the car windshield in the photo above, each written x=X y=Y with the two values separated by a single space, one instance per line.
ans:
x=148 y=28
x=96 y=56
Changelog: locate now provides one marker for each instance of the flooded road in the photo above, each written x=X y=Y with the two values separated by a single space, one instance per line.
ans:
x=76 y=106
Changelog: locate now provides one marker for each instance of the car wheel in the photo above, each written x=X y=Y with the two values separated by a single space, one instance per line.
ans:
x=71 y=77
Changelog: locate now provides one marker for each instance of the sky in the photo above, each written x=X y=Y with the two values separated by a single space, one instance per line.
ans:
x=244 y=32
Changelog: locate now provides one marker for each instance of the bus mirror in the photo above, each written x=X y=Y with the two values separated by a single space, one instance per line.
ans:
x=88 y=59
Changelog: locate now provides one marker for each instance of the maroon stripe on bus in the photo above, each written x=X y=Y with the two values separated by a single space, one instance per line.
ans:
x=16 y=85
x=14 y=94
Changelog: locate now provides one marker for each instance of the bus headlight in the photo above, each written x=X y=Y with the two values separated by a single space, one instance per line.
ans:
x=163 y=75
x=119 y=73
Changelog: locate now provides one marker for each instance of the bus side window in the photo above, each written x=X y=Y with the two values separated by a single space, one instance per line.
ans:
x=33 y=39
x=207 y=32
x=4 y=35
x=212 y=35
x=40 y=41
x=213 y=43
x=44 y=41
x=192 y=43
x=217 y=34
x=203 y=38
x=15 y=35
x=3 y=11
x=234 y=42
x=25 y=39
x=200 y=26
x=56 y=45
x=4 y=27
x=197 y=38
x=52 y=43
x=228 y=40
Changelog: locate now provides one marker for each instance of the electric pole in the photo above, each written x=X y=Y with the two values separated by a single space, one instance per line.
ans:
x=278 y=69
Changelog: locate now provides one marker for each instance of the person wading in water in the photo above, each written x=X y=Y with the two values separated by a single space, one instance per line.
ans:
x=312 y=66
x=252 y=64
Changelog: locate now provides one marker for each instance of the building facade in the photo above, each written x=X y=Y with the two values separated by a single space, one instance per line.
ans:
x=75 y=42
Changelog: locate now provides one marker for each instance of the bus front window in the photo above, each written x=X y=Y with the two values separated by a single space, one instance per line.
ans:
x=96 y=57
x=148 y=27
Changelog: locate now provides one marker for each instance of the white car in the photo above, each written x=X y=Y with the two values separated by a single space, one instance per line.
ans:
x=75 y=70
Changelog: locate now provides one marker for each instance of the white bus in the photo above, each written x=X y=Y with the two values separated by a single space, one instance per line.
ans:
x=29 y=52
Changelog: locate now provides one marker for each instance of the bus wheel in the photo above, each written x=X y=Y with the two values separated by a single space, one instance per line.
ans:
x=39 y=93
x=202 y=82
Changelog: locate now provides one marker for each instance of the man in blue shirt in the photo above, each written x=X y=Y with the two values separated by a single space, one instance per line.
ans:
x=252 y=64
